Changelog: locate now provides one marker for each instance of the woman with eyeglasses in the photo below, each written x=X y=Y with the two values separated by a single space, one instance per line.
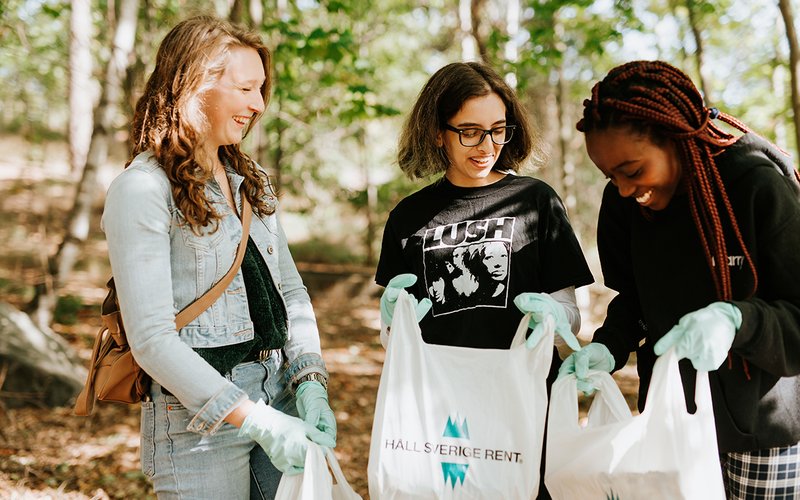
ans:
x=469 y=125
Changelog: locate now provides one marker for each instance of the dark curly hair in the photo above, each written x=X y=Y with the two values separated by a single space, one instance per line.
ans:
x=442 y=97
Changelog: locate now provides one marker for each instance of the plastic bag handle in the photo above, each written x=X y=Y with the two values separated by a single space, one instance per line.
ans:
x=522 y=331
x=609 y=394
x=702 y=392
x=667 y=387
x=338 y=475
x=404 y=311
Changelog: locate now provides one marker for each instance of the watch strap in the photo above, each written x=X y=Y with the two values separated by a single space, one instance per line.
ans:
x=311 y=377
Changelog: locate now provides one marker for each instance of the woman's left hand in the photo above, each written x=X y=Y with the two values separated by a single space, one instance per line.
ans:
x=313 y=407
x=704 y=336
x=541 y=305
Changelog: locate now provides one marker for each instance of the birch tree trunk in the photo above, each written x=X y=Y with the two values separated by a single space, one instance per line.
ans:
x=511 y=52
x=787 y=13
x=81 y=88
x=79 y=219
x=469 y=45
x=256 y=13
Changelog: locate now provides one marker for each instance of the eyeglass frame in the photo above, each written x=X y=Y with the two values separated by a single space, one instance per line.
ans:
x=484 y=133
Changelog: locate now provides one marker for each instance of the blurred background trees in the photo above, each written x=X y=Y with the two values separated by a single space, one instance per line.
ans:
x=346 y=72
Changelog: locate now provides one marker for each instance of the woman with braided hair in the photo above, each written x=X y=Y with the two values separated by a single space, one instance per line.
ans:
x=699 y=235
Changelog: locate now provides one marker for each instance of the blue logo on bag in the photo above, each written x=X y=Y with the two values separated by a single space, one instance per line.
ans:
x=454 y=429
x=455 y=472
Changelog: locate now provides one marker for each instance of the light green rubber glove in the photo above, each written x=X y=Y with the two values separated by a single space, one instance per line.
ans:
x=284 y=438
x=313 y=407
x=389 y=298
x=592 y=356
x=704 y=336
x=540 y=305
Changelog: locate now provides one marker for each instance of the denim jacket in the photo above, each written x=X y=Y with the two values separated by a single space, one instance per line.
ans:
x=160 y=266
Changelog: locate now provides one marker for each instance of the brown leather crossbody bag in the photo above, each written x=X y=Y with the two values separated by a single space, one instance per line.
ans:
x=114 y=374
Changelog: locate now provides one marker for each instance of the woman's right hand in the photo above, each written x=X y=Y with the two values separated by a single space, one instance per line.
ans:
x=592 y=356
x=392 y=291
x=283 y=437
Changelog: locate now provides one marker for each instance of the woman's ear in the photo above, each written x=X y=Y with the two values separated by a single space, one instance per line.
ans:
x=439 y=139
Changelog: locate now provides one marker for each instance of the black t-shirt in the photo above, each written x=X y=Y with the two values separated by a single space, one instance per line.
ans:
x=474 y=249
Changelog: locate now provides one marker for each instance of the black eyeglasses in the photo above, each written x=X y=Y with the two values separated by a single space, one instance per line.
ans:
x=469 y=137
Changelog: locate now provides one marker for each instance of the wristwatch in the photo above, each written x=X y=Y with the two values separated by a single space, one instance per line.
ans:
x=313 y=376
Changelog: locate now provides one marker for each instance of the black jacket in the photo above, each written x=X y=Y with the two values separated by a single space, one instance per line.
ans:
x=658 y=268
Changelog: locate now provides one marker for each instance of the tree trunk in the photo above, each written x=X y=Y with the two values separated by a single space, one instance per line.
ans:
x=699 y=50
x=236 y=14
x=469 y=45
x=37 y=366
x=564 y=135
x=79 y=218
x=371 y=190
x=81 y=89
x=563 y=118
x=256 y=13
x=475 y=29
x=272 y=149
x=511 y=52
x=794 y=61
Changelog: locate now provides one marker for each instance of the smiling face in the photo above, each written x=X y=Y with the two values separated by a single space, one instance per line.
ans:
x=235 y=99
x=638 y=167
x=472 y=166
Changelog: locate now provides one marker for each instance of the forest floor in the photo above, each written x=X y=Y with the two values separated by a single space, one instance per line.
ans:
x=50 y=453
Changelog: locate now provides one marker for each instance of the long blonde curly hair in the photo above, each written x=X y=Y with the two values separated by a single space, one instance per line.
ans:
x=169 y=119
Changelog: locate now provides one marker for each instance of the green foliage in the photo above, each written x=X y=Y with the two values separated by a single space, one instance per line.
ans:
x=67 y=308
x=32 y=68
x=318 y=249
x=344 y=76
x=388 y=194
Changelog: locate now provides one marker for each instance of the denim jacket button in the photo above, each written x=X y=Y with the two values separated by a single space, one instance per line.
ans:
x=270 y=249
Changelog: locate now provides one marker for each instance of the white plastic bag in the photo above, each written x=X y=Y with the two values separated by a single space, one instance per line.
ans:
x=455 y=422
x=315 y=482
x=663 y=453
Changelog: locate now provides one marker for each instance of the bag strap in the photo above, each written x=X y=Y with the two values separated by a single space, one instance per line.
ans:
x=84 y=404
x=111 y=319
x=194 y=309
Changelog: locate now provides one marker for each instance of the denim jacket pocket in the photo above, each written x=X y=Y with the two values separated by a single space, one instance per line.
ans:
x=206 y=239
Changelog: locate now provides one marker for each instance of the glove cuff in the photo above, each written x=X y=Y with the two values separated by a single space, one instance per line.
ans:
x=604 y=360
x=260 y=413
x=734 y=313
x=314 y=386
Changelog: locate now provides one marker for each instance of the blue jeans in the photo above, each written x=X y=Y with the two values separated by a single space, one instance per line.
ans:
x=184 y=464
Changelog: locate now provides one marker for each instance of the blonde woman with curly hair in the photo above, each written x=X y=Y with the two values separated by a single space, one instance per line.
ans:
x=221 y=420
